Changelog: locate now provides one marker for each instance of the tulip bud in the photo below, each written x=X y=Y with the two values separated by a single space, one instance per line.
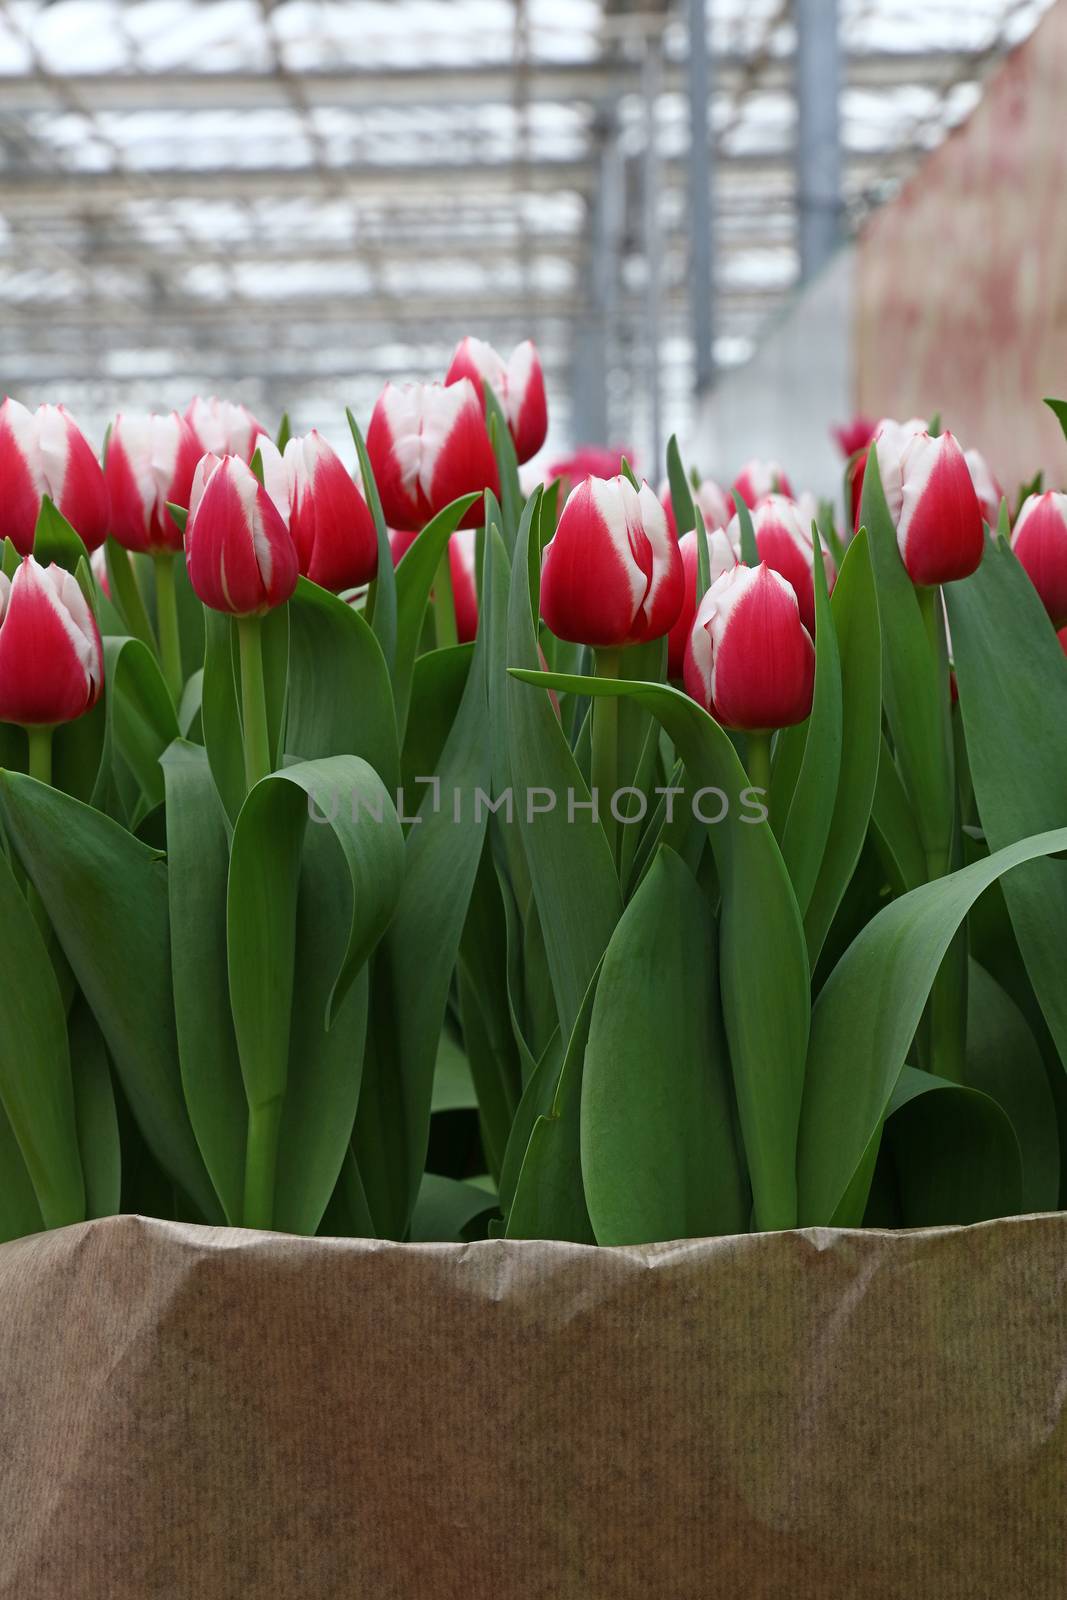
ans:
x=150 y=463
x=428 y=445
x=518 y=383
x=98 y=564
x=223 y=427
x=757 y=479
x=784 y=542
x=1040 y=542
x=932 y=502
x=722 y=557
x=750 y=660
x=44 y=452
x=986 y=487
x=401 y=541
x=462 y=555
x=329 y=520
x=895 y=436
x=854 y=436
x=611 y=574
x=709 y=499
x=588 y=461
x=238 y=549
x=51 y=658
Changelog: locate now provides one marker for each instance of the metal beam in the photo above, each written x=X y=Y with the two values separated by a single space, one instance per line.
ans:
x=819 y=157
x=701 y=205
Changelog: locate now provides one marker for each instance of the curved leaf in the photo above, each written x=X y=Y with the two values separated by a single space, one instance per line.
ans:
x=954 y=1151
x=1004 y=1061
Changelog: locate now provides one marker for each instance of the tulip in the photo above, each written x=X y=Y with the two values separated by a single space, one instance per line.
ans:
x=722 y=557
x=239 y=551
x=462 y=555
x=329 y=521
x=51 y=658
x=854 y=436
x=784 y=542
x=588 y=461
x=400 y=542
x=428 y=445
x=44 y=452
x=710 y=501
x=986 y=487
x=223 y=427
x=750 y=660
x=611 y=575
x=757 y=479
x=150 y=464
x=518 y=383
x=1040 y=542
x=896 y=435
x=932 y=502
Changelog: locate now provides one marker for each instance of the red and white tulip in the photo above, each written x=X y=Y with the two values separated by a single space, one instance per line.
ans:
x=518 y=383
x=750 y=661
x=51 y=658
x=44 y=452
x=986 y=486
x=239 y=552
x=722 y=557
x=428 y=445
x=612 y=573
x=932 y=502
x=462 y=557
x=329 y=520
x=711 y=501
x=150 y=464
x=223 y=427
x=784 y=542
x=758 y=479
x=1040 y=542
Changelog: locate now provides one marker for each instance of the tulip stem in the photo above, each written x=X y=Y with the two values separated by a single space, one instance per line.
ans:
x=758 y=752
x=604 y=763
x=40 y=743
x=261 y=1162
x=170 y=645
x=253 y=700
x=444 y=606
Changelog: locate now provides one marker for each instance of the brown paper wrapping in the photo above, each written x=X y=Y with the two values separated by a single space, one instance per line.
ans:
x=199 y=1414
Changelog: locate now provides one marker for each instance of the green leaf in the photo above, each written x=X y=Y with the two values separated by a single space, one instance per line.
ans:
x=198 y=857
x=1059 y=411
x=893 y=826
x=340 y=696
x=106 y=897
x=285 y=433
x=685 y=516
x=915 y=677
x=854 y=605
x=55 y=540
x=96 y=1114
x=140 y=711
x=955 y=1154
x=220 y=713
x=659 y=1156
x=766 y=1002
x=749 y=550
x=511 y=496
x=437 y=686
x=807 y=824
x=549 y=1198
x=383 y=589
x=1004 y=1061
x=414 y=580
x=575 y=884
x=19 y=1212
x=36 y=1089
x=1012 y=678
x=449 y=1212
x=126 y=595
x=864 y=1021
x=180 y=514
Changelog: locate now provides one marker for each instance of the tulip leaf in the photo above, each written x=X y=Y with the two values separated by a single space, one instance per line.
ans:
x=96 y=1114
x=106 y=896
x=198 y=858
x=685 y=515
x=1059 y=411
x=36 y=1087
x=954 y=1152
x=414 y=580
x=854 y=607
x=437 y=686
x=20 y=1215
x=1004 y=1061
x=807 y=825
x=575 y=884
x=340 y=696
x=536 y=1101
x=487 y=1023
x=1013 y=697
x=766 y=1002
x=55 y=540
x=450 y=1212
x=511 y=497
x=749 y=549
x=126 y=595
x=893 y=826
x=549 y=1196
x=78 y=751
x=915 y=683
x=659 y=1155
x=220 y=714
x=141 y=717
x=865 y=1019
x=180 y=514
x=382 y=597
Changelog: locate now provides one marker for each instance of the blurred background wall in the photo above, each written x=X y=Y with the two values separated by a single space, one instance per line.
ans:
x=291 y=201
